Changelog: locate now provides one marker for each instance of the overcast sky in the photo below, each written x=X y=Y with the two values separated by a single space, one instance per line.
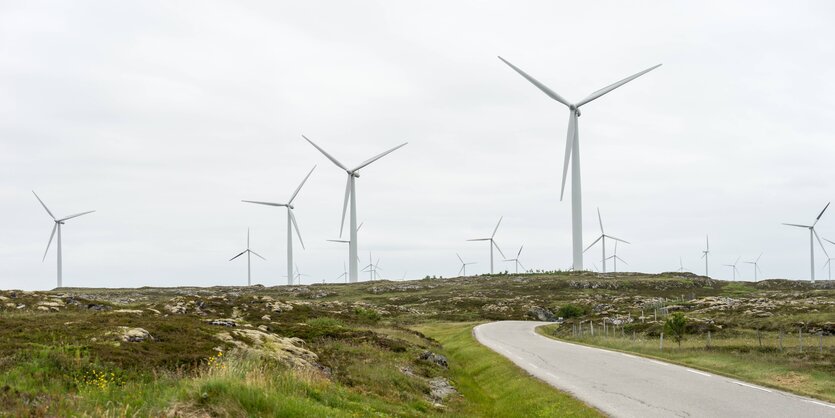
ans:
x=162 y=116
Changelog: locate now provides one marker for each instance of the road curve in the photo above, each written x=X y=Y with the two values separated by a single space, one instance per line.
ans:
x=623 y=385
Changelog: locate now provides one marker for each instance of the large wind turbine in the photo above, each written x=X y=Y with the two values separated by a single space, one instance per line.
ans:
x=463 y=265
x=492 y=243
x=812 y=235
x=706 y=254
x=248 y=253
x=603 y=237
x=733 y=267
x=615 y=258
x=756 y=264
x=572 y=153
x=57 y=227
x=291 y=219
x=516 y=260
x=351 y=193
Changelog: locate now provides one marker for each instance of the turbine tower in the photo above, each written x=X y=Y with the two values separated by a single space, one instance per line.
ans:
x=812 y=235
x=572 y=153
x=615 y=258
x=680 y=265
x=733 y=267
x=463 y=266
x=756 y=264
x=706 y=253
x=57 y=227
x=516 y=260
x=248 y=253
x=602 y=238
x=351 y=193
x=291 y=219
x=492 y=243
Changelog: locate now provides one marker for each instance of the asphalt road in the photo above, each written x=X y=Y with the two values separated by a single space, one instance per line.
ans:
x=624 y=385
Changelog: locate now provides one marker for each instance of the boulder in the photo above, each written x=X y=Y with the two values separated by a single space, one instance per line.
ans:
x=437 y=359
x=261 y=343
x=225 y=322
x=133 y=335
x=541 y=314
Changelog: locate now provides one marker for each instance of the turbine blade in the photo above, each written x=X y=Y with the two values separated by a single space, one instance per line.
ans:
x=600 y=219
x=480 y=239
x=459 y=258
x=300 y=185
x=821 y=214
x=75 y=216
x=829 y=241
x=618 y=239
x=799 y=226
x=497 y=227
x=378 y=156
x=296 y=226
x=611 y=87
x=569 y=148
x=707 y=242
x=520 y=264
x=460 y=270
x=520 y=251
x=52 y=235
x=592 y=244
x=240 y=254
x=345 y=204
x=360 y=226
x=264 y=203
x=758 y=258
x=551 y=93
x=43 y=204
x=819 y=242
x=339 y=240
x=497 y=247
x=259 y=255
x=330 y=157
x=623 y=261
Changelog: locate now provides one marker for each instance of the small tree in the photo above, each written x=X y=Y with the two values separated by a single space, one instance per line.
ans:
x=675 y=326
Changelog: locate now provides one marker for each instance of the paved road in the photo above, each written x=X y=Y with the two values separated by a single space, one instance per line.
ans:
x=623 y=385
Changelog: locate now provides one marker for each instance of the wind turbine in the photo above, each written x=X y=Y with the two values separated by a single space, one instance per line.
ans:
x=57 y=227
x=680 y=265
x=372 y=267
x=756 y=265
x=615 y=258
x=463 y=266
x=829 y=259
x=733 y=267
x=291 y=219
x=492 y=243
x=351 y=193
x=516 y=260
x=299 y=275
x=705 y=253
x=572 y=153
x=812 y=235
x=248 y=253
x=602 y=238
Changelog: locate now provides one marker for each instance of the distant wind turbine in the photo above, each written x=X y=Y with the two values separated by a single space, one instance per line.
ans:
x=372 y=268
x=756 y=264
x=344 y=273
x=680 y=265
x=463 y=265
x=248 y=252
x=615 y=258
x=812 y=235
x=291 y=219
x=602 y=238
x=733 y=267
x=572 y=153
x=351 y=194
x=57 y=227
x=516 y=260
x=706 y=254
x=492 y=243
x=829 y=259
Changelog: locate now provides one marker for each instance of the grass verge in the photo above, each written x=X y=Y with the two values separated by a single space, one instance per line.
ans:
x=493 y=385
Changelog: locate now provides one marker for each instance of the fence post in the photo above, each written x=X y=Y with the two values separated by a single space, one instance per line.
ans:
x=622 y=331
x=800 y=336
x=642 y=316
x=820 y=341
x=655 y=315
x=759 y=338
x=708 y=338
x=661 y=342
x=591 y=325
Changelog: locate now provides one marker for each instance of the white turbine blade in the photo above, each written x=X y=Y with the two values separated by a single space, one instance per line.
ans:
x=703 y=254
x=480 y=239
x=75 y=216
x=360 y=226
x=240 y=254
x=461 y=270
x=264 y=203
x=459 y=258
x=611 y=87
x=799 y=226
x=44 y=205
x=52 y=235
x=707 y=243
x=497 y=227
x=569 y=148
x=821 y=214
x=520 y=265
x=622 y=260
x=829 y=241
x=592 y=244
x=345 y=204
x=551 y=93
x=520 y=251
x=497 y=247
x=378 y=156
x=758 y=258
x=819 y=242
x=330 y=157
x=296 y=226
x=300 y=185
x=259 y=255
x=618 y=239
x=339 y=240
x=600 y=219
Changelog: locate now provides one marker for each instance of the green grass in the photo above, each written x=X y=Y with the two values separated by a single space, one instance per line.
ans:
x=738 y=355
x=494 y=386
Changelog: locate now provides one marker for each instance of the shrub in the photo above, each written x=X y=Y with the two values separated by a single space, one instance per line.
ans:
x=675 y=326
x=571 y=311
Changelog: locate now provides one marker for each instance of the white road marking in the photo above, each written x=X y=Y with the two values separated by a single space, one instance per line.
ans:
x=698 y=372
x=820 y=403
x=658 y=362
x=751 y=386
x=628 y=355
